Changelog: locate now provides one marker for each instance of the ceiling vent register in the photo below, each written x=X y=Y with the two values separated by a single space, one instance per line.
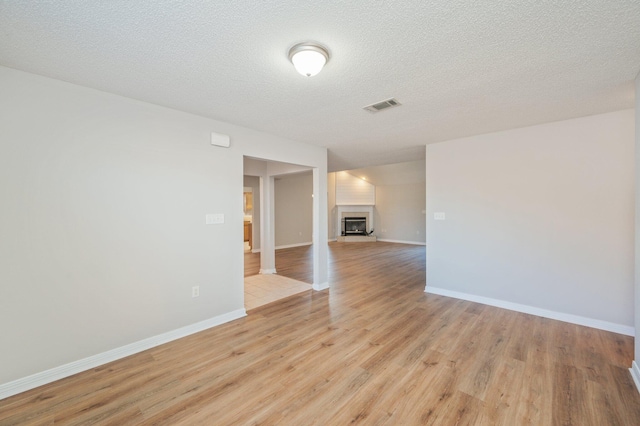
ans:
x=379 y=106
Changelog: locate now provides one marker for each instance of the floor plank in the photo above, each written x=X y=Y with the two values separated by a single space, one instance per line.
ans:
x=373 y=350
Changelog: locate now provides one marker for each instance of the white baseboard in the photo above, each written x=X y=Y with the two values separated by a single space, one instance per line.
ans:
x=57 y=373
x=635 y=374
x=267 y=271
x=285 y=246
x=321 y=286
x=560 y=316
x=293 y=245
x=416 y=243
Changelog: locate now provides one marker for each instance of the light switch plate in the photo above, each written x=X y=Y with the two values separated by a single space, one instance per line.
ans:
x=439 y=216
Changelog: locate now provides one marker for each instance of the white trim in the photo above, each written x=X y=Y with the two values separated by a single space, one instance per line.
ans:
x=635 y=374
x=30 y=382
x=294 y=245
x=267 y=271
x=255 y=251
x=403 y=242
x=320 y=287
x=560 y=316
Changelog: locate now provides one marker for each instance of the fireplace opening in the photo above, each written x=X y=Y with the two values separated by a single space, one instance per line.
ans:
x=354 y=226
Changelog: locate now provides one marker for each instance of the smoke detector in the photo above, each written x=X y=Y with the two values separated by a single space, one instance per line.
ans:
x=379 y=106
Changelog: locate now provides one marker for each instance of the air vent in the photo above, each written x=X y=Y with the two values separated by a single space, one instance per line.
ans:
x=379 y=106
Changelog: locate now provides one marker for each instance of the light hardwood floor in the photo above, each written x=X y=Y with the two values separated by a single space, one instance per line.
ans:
x=295 y=263
x=373 y=350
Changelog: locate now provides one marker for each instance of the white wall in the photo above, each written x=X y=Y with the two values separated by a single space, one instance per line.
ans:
x=399 y=212
x=539 y=216
x=293 y=209
x=102 y=223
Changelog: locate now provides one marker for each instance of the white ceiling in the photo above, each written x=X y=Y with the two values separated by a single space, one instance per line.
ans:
x=459 y=67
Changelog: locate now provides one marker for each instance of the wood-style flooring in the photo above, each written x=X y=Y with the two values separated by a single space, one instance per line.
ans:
x=374 y=350
x=295 y=263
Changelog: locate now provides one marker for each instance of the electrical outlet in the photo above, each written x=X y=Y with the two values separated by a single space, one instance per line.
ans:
x=195 y=291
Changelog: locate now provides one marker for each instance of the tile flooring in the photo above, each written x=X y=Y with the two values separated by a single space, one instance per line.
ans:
x=262 y=289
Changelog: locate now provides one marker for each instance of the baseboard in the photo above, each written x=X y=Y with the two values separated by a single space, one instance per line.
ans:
x=285 y=246
x=560 y=316
x=320 y=287
x=293 y=245
x=635 y=374
x=267 y=271
x=416 y=243
x=30 y=382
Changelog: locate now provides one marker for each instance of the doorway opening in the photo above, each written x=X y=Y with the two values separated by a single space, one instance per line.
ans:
x=278 y=219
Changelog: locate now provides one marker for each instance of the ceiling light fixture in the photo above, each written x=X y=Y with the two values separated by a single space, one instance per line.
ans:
x=308 y=58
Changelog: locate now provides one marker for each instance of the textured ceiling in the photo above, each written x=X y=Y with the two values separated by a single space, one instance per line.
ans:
x=458 y=67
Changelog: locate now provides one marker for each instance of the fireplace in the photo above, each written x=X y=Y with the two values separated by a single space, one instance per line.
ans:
x=354 y=226
x=358 y=229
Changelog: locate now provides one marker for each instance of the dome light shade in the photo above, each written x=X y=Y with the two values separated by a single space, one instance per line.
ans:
x=308 y=58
